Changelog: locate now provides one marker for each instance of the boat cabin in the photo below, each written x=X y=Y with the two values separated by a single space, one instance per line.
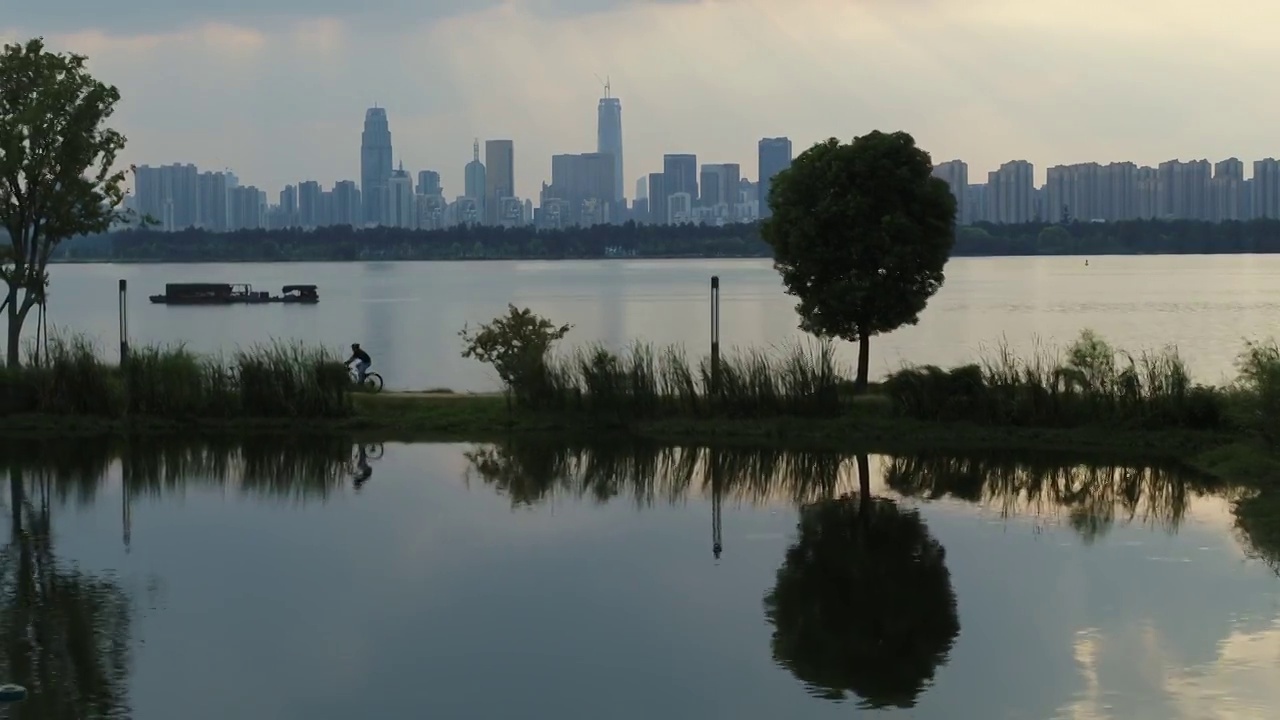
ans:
x=300 y=293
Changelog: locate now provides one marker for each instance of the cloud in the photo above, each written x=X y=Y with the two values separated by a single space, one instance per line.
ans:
x=129 y=17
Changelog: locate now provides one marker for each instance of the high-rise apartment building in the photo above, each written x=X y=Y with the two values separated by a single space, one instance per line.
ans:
x=956 y=174
x=212 y=201
x=500 y=179
x=375 y=163
x=642 y=188
x=1265 y=189
x=347 y=207
x=609 y=140
x=1226 y=191
x=311 y=205
x=288 y=207
x=169 y=195
x=773 y=156
x=246 y=208
x=1011 y=193
x=1183 y=189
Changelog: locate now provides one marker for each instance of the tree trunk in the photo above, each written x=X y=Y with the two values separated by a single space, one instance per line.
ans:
x=864 y=364
x=13 y=352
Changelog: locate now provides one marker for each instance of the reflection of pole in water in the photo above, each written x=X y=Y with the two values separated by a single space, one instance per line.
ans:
x=717 y=544
x=126 y=513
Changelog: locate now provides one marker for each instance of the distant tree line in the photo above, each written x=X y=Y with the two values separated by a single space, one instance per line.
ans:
x=343 y=243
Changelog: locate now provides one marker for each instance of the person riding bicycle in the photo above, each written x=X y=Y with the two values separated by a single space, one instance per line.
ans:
x=362 y=361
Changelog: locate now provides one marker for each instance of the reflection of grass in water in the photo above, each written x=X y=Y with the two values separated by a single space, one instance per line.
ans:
x=299 y=468
x=534 y=473
x=1094 y=496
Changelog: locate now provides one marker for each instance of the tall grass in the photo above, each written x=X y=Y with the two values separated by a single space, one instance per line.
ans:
x=1090 y=382
x=279 y=380
x=643 y=382
x=1259 y=386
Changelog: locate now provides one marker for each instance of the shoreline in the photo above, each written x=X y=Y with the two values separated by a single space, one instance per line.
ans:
x=517 y=258
x=1235 y=459
x=428 y=416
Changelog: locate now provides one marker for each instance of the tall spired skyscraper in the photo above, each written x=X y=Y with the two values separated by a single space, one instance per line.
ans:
x=375 y=163
x=609 y=136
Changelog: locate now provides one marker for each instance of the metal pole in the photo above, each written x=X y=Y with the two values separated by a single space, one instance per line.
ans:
x=715 y=335
x=124 y=321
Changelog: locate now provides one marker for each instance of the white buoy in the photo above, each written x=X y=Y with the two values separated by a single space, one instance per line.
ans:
x=12 y=694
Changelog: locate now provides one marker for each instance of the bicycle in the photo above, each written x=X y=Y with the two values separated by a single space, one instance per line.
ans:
x=372 y=452
x=372 y=381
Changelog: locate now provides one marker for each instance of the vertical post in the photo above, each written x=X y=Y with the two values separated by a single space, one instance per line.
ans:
x=715 y=335
x=124 y=321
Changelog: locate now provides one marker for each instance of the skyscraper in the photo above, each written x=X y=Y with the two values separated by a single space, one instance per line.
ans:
x=375 y=163
x=475 y=178
x=680 y=175
x=773 y=156
x=500 y=177
x=609 y=138
x=657 y=199
x=401 y=210
x=429 y=183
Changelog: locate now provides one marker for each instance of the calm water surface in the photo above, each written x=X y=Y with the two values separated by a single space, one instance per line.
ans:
x=466 y=581
x=408 y=314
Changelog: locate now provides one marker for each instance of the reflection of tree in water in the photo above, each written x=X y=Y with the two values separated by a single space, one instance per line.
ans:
x=863 y=602
x=1093 y=497
x=64 y=634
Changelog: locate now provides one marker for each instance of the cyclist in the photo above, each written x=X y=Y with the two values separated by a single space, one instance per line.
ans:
x=363 y=471
x=362 y=361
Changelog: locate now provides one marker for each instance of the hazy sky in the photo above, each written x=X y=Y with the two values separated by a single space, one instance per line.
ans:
x=279 y=95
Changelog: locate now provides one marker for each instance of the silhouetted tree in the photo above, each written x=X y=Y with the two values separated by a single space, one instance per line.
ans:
x=860 y=234
x=57 y=168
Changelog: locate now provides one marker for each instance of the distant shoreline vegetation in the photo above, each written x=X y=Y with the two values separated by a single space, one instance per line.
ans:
x=630 y=240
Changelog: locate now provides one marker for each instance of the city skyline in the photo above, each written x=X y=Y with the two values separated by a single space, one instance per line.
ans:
x=272 y=91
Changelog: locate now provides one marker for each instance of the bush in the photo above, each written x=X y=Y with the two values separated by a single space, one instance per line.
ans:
x=277 y=381
x=516 y=345
x=1091 y=383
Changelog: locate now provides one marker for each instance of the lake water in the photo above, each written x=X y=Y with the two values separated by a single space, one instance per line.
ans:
x=529 y=581
x=408 y=314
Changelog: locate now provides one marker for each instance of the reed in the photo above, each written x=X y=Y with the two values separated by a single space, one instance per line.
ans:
x=644 y=382
x=1258 y=385
x=279 y=380
x=1089 y=383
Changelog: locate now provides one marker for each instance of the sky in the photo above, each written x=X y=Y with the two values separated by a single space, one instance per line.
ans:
x=276 y=89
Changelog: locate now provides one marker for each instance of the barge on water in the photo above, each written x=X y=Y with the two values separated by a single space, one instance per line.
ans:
x=233 y=294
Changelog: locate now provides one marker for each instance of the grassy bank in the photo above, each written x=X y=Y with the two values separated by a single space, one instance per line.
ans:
x=72 y=387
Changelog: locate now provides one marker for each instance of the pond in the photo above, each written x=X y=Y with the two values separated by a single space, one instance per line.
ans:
x=323 y=579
